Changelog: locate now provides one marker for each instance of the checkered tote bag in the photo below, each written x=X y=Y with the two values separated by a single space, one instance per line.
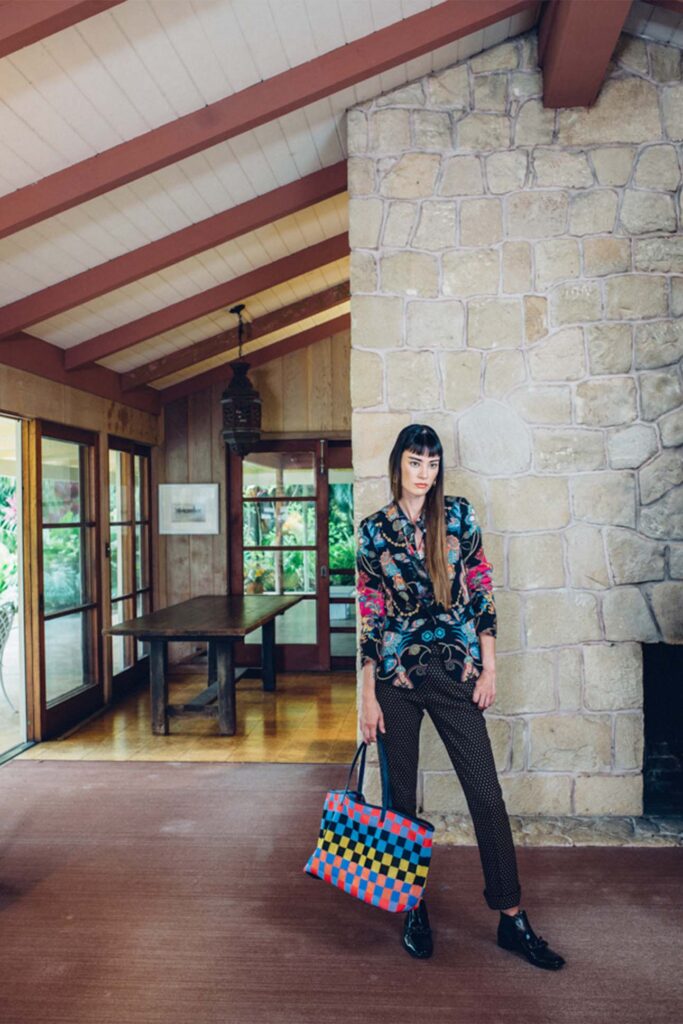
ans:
x=374 y=853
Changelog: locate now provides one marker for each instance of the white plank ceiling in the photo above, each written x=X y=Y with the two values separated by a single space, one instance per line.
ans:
x=144 y=63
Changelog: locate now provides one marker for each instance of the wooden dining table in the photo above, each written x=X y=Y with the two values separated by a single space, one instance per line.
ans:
x=220 y=621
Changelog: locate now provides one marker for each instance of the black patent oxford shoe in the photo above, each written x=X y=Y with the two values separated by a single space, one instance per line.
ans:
x=517 y=935
x=417 y=934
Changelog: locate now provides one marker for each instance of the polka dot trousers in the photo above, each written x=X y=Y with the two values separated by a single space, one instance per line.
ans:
x=462 y=727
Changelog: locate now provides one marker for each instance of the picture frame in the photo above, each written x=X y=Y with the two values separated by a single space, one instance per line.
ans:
x=188 y=509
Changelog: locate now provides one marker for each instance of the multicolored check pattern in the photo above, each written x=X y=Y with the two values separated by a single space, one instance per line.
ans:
x=381 y=858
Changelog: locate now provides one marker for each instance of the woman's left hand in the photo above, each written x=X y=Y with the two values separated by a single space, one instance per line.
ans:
x=485 y=688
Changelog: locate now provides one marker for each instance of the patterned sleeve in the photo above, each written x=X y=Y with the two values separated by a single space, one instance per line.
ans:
x=478 y=572
x=370 y=596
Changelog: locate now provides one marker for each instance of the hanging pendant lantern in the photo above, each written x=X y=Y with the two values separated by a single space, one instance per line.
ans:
x=241 y=402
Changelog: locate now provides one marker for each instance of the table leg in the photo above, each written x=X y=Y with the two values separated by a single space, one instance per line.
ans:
x=225 y=678
x=212 y=663
x=268 y=654
x=158 y=687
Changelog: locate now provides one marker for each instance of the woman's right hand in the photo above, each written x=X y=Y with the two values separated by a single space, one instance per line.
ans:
x=371 y=718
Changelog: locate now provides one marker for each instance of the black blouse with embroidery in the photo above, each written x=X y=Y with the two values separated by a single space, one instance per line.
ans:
x=400 y=617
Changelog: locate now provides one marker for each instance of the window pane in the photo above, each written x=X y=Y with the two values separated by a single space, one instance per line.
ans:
x=62 y=491
x=280 y=572
x=267 y=474
x=62 y=568
x=69 y=662
x=118 y=485
x=141 y=465
x=297 y=625
x=120 y=611
x=282 y=522
x=119 y=559
x=141 y=556
x=142 y=607
x=340 y=521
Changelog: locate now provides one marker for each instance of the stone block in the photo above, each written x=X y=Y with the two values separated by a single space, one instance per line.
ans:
x=606 y=256
x=524 y=84
x=360 y=176
x=449 y=88
x=562 y=450
x=461 y=177
x=671 y=428
x=494 y=439
x=376 y=321
x=528 y=793
x=412 y=176
x=645 y=212
x=630 y=447
x=480 y=132
x=627 y=616
x=373 y=435
x=629 y=732
x=608 y=497
x=631 y=53
x=626 y=110
x=442 y=794
x=657 y=168
x=633 y=558
x=481 y=222
x=534 y=124
x=593 y=213
x=389 y=130
x=676 y=295
x=436 y=228
x=461 y=379
x=609 y=794
x=557 y=259
x=667 y=604
x=658 y=344
x=553 y=618
x=537 y=403
x=660 y=391
x=476 y=272
x=672 y=111
x=509 y=611
x=535 y=317
x=518 y=745
x=435 y=324
x=568 y=742
x=365 y=223
x=613 y=164
x=504 y=370
x=410 y=95
x=536 y=561
x=613 y=676
x=569 y=678
x=503 y=57
x=362 y=272
x=660 y=475
x=635 y=297
x=660 y=254
x=609 y=348
x=606 y=401
x=524 y=682
x=494 y=323
x=559 y=357
x=356 y=132
x=507 y=171
x=665 y=62
x=369 y=495
x=536 y=214
x=410 y=273
x=521 y=504
x=556 y=168
x=490 y=92
x=586 y=558
x=663 y=518
x=367 y=379
x=398 y=223
x=574 y=302
x=432 y=130
x=516 y=267
x=412 y=380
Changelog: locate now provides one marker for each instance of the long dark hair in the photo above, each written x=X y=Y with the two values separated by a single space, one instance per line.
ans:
x=422 y=440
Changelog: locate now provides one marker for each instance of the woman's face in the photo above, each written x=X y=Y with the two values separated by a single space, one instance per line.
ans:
x=418 y=473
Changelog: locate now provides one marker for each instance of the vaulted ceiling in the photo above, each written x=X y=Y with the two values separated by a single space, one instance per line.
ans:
x=162 y=160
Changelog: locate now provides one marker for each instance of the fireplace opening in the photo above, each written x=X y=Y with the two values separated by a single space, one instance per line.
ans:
x=663 y=712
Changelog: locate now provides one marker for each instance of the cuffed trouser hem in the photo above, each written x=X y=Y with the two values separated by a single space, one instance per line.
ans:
x=505 y=901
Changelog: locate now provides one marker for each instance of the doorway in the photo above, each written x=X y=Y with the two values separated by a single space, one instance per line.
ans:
x=290 y=511
x=13 y=723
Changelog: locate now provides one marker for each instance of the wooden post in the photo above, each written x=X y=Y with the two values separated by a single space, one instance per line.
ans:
x=225 y=677
x=158 y=687
x=268 y=654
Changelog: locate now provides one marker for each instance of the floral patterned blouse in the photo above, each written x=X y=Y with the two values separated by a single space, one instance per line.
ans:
x=400 y=618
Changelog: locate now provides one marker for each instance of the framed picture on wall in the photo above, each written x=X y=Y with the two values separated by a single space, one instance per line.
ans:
x=188 y=508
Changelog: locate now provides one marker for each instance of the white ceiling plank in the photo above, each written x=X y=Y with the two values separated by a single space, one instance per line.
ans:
x=262 y=37
x=291 y=23
x=188 y=38
x=326 y=25
x=356 y=18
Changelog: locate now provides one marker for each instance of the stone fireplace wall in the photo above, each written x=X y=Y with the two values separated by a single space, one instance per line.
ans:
x=516 y=283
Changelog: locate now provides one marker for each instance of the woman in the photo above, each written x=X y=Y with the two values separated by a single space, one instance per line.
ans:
x=428 y=627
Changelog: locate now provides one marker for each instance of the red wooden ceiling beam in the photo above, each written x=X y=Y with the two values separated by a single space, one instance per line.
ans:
x=576 y=41
x=132 y=333
x=23 y=23
x=180 y=245
x=24 y=352
x=227 y=340
x=258 y=358
x=249 y=108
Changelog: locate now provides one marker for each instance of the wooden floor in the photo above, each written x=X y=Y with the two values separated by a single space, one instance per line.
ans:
x=310 y=719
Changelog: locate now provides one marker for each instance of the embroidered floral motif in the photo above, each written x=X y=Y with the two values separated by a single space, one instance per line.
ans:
x=400 y=618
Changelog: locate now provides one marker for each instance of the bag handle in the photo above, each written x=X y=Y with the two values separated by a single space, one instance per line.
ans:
x=383 y=768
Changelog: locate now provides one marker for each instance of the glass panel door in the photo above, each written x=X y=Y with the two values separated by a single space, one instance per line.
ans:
x=69 y=604
x=342 y=563
x=13 y=730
